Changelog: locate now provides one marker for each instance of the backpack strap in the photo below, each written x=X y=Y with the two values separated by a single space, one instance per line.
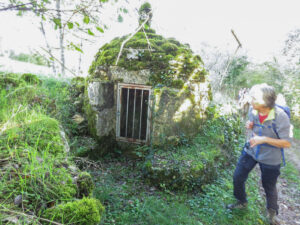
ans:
x=260 y=134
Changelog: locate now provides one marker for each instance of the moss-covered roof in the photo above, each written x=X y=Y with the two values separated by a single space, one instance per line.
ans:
x=170 y=62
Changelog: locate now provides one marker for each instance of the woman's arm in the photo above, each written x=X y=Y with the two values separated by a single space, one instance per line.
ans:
x=258 y=140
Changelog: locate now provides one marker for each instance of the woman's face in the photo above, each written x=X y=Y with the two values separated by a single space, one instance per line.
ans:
x=255 y=104
x=257 y=100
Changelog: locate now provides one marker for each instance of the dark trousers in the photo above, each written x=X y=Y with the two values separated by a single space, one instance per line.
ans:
x=269 y=175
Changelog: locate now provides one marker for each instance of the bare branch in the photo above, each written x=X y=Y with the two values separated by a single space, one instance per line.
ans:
x=59 y=62
x=28 y=216
x=149 y=45
x=230 y=60
x=39 y=10
x=15 y=7
x=125 y=41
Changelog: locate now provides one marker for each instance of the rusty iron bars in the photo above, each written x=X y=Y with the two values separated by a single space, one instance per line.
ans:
x=127 y=104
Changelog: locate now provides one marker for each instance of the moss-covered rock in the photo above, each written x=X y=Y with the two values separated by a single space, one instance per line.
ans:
x=85 y=184
x=30 y=78
x=185 y=168
x=9 y=80
x=87 y=211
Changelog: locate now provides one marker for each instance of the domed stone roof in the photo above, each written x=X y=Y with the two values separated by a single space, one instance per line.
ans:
x=171 y=63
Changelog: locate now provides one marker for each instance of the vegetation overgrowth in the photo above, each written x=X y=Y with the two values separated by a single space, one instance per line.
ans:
x=30 y=58
x=32 y=113
x=171 y=63
x=195 y=163
x=37 y=175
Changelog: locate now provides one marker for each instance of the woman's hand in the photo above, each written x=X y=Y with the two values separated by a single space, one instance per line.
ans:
x=249 y=125
x=257 y=140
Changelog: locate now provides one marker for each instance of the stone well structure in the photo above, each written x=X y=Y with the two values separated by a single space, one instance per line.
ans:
x=156 y=92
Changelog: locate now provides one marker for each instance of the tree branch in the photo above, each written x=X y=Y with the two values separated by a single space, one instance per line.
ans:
x=59 y=62
x=28 y=216
x=125 y=41
x=15 y=7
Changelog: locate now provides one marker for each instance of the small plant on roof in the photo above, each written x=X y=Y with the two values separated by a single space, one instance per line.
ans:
x=145 y=11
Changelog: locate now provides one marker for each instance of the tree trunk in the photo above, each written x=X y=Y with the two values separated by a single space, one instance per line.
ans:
x=61 y=40
x=79 y=61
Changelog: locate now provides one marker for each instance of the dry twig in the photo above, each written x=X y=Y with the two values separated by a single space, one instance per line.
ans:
x=32 y=217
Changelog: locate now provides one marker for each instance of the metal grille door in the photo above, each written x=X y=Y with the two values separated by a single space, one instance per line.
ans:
x=133 y=113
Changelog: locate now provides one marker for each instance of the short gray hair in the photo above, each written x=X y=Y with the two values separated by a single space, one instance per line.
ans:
x=267 y=94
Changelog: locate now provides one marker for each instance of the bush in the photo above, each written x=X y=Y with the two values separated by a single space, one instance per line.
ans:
x=199 y=163
x=86 y=211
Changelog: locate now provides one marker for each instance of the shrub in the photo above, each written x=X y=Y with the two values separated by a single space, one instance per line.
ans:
x=199 y=163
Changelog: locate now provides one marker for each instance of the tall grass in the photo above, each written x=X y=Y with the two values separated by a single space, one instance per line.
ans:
x=31 y=148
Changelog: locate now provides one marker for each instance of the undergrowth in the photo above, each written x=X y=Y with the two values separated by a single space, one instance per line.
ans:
x=38 y=182
x=36 y=173
x=129 y=200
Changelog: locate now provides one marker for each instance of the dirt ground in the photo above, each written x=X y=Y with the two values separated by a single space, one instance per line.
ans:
x=289 y=194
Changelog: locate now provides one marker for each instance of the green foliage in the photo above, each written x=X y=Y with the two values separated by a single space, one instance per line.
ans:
x=84 y=212
x=30 y=58
x=128 y=200
x=296 y=133
x=120 y=19
x=86 y=19
x=81 y=146
x=9 y=80
x=291 y=174
x=195 y=164
x=210 y=206
x=236 y=75
x=34 y=165
x=34 y=129
x=144 y=10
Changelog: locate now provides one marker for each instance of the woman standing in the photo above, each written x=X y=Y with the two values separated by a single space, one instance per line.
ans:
x=270 y=127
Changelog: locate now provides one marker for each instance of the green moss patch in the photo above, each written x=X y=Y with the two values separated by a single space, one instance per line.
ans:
x=85 y=184
x=167 y=59
x=84 y=212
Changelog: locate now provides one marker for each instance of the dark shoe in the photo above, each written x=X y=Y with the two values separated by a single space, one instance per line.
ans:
x=237 y=205
x=272 y=217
